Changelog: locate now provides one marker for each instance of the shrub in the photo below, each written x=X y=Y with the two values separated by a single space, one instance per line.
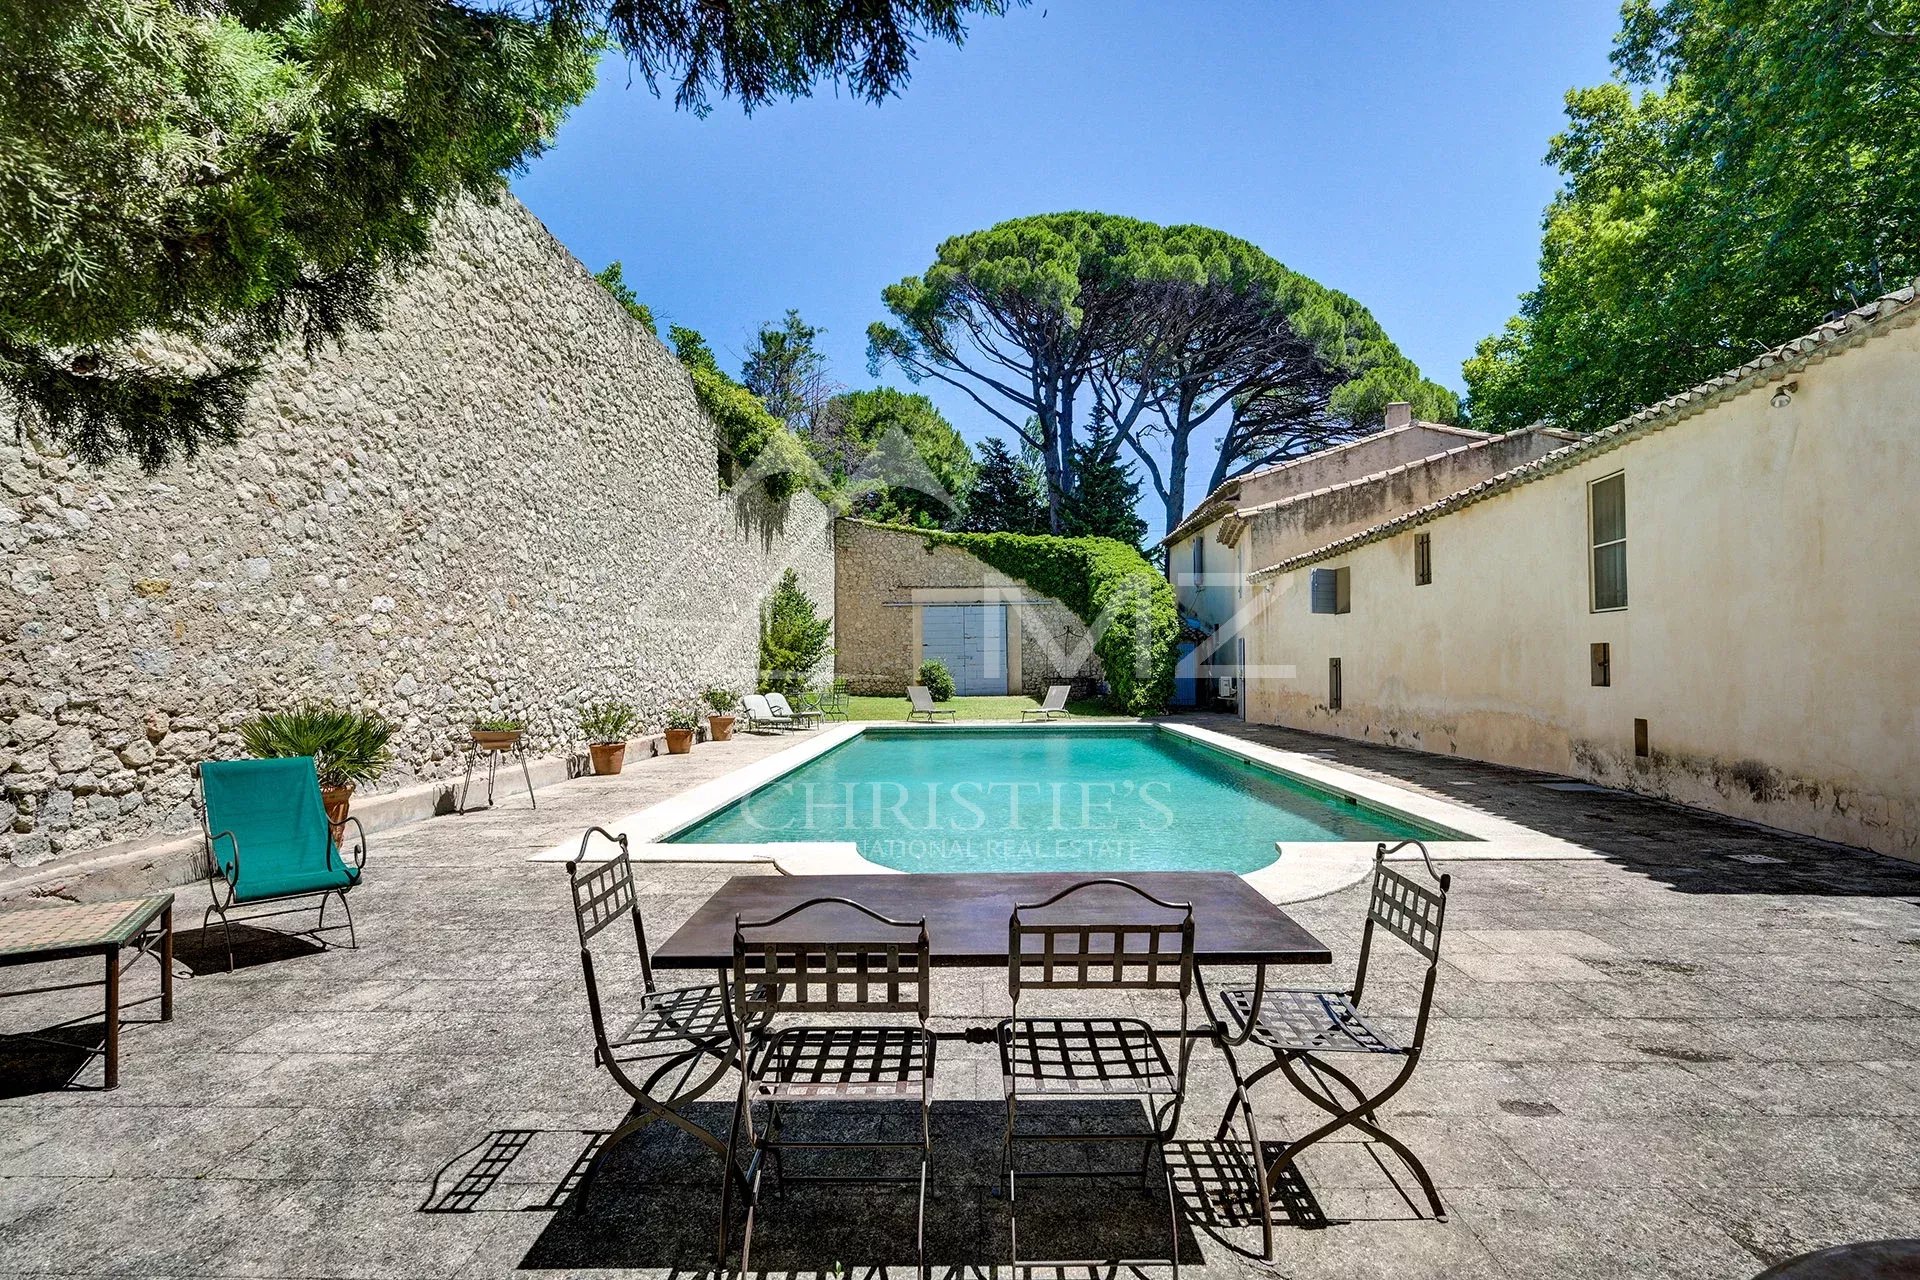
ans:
x=794 y=638
x=609 y=722
x=721 y=701
x=498 y=724
x=1109 y=586
x=347 y=747
x=683 y=718
x=938 y=679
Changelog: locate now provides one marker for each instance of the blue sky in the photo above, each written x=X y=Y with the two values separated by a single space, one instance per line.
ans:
x=1390 y=150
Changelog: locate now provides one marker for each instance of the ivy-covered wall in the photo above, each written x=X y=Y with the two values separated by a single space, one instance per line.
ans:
x=1125 y=601
x=1095 y=609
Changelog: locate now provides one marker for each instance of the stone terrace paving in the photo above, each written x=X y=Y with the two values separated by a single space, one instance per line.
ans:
x=1686 y=1060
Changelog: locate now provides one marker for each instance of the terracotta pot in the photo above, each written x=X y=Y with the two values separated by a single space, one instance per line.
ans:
x=679 y=741
x=720 y=728
x=497 y=739
x=608 y=757
x=335 y=801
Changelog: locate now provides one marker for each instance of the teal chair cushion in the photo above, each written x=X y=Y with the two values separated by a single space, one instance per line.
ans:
x=273 y=810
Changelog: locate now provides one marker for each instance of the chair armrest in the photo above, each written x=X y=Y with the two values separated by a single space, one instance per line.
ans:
x=213 y=863
x=360 y=843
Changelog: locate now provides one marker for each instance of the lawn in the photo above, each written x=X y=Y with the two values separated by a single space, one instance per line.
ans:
x=860 y=707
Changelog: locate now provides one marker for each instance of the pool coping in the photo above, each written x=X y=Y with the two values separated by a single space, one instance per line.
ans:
x=1299 y=871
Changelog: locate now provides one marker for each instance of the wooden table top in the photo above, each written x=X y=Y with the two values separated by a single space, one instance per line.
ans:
x=967 y=914
x=72 y=929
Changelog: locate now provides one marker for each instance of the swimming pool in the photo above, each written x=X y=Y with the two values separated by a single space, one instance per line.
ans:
x=1108 y=798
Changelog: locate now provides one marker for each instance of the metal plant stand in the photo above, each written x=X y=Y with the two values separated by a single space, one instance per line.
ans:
x=494 y=751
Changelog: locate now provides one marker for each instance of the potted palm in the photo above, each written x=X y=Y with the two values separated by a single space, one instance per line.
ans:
x=499 y=733
x=721 y=703
x=348 y=748
x=607 y=726
x=681 y=724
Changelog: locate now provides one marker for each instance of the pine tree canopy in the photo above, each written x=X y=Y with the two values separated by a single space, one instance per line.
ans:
x=225 y=177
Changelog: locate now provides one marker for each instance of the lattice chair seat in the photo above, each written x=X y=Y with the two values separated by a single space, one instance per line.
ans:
x=672 y=1018
x=842 y=1062
x=1083 y=1055
x=1306 y=1021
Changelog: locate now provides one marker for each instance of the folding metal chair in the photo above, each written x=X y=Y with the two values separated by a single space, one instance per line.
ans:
x=672 y=1033
x=1301 y=1026
x=869 y=965
x=1054 y=948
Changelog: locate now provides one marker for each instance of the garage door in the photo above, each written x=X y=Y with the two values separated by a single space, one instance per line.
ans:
x=972 y=640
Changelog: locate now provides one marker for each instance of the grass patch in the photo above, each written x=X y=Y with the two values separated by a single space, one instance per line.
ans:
x=887 y=707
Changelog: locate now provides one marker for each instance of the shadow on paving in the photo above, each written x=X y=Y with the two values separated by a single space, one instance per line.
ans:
x=49 y=1060
x=204 y=951
x=1654 y=838
x=655 y=1201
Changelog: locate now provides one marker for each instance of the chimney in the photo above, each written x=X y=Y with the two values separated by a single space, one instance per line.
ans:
x=1399 y=414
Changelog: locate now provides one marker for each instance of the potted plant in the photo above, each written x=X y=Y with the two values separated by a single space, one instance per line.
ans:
x=720 y=724
x=498 y=733
x=681 y=725
x=607 y=726
x=348 y=748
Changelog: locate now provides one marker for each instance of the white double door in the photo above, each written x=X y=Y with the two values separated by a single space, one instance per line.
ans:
x=971 y=639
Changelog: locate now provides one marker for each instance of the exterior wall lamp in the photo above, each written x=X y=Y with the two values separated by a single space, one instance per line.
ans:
x=1783 y=394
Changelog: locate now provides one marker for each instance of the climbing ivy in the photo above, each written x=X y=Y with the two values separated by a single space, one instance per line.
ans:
x=1109 y=586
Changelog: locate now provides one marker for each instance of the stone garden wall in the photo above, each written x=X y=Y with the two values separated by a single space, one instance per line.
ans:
x=886 y=577
x=503 y=502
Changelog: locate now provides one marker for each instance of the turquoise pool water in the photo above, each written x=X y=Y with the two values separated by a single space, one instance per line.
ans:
x=1122 y=799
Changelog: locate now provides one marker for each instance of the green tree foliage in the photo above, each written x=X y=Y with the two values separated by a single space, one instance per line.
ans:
x=1752 y=168
x=1102 y=503
x=787 y=370
x=794 y=638
x=1126 y=602
x=1009 y=493
x=615 y=283
x=895 y=456
x=1035 y=317
x=236 y=175
x=755 y=446
x=766 y=50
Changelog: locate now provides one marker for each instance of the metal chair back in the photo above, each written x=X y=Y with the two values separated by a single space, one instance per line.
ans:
x=882 y=967
x=602 y=894
x=1077 y=954
x=1410 y=911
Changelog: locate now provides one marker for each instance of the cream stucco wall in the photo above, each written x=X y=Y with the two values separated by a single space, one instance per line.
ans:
x=1769 y=640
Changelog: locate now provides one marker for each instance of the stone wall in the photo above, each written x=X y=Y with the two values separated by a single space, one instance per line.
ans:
x=884 y=577
x=505 y=501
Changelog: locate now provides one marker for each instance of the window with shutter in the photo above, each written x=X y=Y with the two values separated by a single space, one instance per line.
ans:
x=1325 y=591
x=1607 y=529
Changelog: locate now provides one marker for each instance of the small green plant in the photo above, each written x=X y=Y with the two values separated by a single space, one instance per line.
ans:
x=609 y=721
x=347 y=747
x=498 y=724
x=722 y=701
x=939 y=680
x=683 y=718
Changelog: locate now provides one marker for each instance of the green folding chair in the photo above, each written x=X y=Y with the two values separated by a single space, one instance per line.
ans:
x=269 y=843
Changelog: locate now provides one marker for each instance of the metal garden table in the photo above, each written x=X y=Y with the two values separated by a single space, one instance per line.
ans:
x=967 y=915
x=35 y=935
x=967 y=922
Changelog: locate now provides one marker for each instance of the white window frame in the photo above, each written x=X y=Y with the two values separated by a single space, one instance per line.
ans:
x=1594 y=546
